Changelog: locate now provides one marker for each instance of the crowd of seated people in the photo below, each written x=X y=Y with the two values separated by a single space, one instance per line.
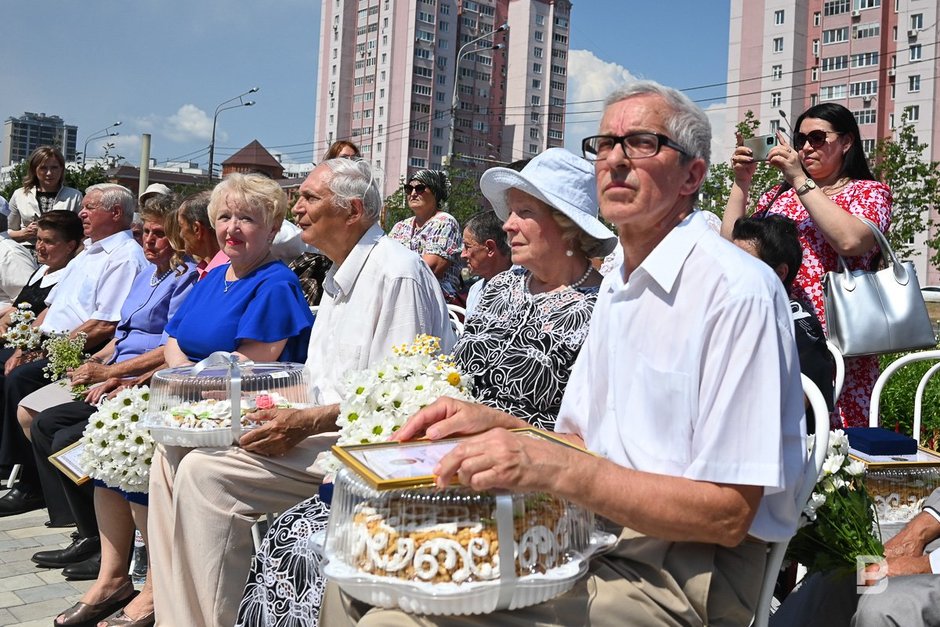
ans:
x=225 y=270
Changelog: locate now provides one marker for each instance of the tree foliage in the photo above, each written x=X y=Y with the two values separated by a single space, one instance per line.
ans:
x=897 y=161
x=915 y=184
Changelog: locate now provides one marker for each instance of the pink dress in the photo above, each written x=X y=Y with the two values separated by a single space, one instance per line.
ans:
x=868 y=199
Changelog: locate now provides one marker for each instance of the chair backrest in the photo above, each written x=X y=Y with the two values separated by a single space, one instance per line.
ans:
x=457 y=315
x=840 y=371
x=814 y=464
x=873 y=417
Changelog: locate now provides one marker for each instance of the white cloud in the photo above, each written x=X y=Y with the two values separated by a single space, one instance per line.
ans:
x=590 y=80
x=190 y=123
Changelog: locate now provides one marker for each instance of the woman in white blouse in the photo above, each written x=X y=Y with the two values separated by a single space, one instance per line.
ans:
x=43 y=190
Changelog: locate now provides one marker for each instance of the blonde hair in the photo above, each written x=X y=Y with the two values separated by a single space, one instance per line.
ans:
x=255 y=191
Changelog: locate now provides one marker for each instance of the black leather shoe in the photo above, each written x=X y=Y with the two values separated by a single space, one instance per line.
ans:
x=80 y=550
x=17 y=501
x=84 y=571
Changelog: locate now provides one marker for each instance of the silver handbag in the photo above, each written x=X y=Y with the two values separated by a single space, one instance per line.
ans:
x=869 y=313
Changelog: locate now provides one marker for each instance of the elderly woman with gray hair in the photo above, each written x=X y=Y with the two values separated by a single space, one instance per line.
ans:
x=432 y=233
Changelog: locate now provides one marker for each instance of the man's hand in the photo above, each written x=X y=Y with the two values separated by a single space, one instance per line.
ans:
x=914 y=537
x=88 y=373
x=447 y=417
x=512 y=461
x=283 y=429
x=898 y=567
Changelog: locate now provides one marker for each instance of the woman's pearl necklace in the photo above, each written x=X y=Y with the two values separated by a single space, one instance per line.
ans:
x=155 y=280
x=575 y=285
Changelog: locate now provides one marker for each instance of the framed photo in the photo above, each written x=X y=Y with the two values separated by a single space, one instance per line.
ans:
x=392 y=465
x=66 y=460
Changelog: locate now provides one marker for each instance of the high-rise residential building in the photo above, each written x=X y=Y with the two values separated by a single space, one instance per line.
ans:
x=387 y=81
x=878 y=58
x=24 y=134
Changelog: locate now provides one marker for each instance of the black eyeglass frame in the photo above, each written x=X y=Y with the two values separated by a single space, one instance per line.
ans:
x=409 y=189
x=805 y=136
x=661 y=140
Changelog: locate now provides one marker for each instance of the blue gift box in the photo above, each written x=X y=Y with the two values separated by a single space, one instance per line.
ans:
x=879 y=441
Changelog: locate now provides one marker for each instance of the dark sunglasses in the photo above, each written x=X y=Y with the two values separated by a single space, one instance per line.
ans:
x=417 y=189
x=815 y=138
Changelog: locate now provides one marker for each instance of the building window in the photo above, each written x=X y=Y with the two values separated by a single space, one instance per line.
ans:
x=774 y=126
x=913 y=83
x=539 y=36
x=537 y=53
x=830 y=64
x=778 y=17
x=553 y=134
x=416 y=162
x=539 y=19
x=834 y=7
x=835 y=35
x=776 y=72
x=775 y=99
x=868 y=145
x=814 y=74
x=864 y=59
x=866 y=4
x=863 y=88
x=832 y=92
x=917 y=21
x=778 y=44
x=533 y=133
x=536 y=83
x=864 y=31
x=917 y=52
x=866 y=116
x=816 y=18
x=537 y=68
x=913 y=113
x=536 y=100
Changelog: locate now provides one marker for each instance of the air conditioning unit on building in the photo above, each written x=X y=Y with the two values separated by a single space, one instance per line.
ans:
x=866 y=100
x=912 y=34
x=856 y=14
x=892 y=72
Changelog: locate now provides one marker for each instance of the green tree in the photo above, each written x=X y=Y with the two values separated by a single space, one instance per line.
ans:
x=717 y=184
x=17 y=174
x=900 y=163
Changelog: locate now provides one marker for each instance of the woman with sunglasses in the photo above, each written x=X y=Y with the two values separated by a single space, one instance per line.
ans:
x=432 y=233
x=827 y=186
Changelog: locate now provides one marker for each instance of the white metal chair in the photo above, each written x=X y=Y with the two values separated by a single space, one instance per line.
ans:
x=840 y=371
x=457 y=315
x=874 y=417
x=814 y=464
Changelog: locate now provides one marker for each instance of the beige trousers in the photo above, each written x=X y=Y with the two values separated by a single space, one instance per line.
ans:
x=203 y=503
x=643 y=582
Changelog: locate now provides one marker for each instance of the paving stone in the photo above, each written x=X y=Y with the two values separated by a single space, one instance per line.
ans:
x=42 y=612
x=9 y=599
x=17 y=543
x=6 y=618
x=19 y=582
x=22 y=566
x=33 y=532
x=45 y=592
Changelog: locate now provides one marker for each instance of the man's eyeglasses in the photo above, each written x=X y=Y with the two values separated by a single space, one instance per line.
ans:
x=417 y=189
x=635 y=145
x=815 y=138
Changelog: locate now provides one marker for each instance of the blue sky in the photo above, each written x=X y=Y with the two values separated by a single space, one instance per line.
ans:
x=162 y=66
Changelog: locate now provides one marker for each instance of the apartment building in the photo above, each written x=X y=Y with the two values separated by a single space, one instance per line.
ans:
x=24 y=134
x=876 y=57
x=391 y=72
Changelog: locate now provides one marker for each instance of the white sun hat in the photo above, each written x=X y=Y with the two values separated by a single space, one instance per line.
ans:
x=155 y=189
x=560 y=179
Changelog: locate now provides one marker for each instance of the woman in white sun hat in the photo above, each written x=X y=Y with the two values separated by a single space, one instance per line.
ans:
x=519 y=347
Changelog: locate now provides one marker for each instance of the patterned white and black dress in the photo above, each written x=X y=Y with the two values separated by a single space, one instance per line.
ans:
x=518 y=347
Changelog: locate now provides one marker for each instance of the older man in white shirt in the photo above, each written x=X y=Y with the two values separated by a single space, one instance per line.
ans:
x=202 y=505
x=87 y=299
x=687 y=386
x=16 y=266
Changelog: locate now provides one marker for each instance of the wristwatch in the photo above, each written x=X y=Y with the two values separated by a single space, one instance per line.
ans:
x=805 y=187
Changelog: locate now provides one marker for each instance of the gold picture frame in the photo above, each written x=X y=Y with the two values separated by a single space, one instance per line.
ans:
x=395 y=465
x=66 y=460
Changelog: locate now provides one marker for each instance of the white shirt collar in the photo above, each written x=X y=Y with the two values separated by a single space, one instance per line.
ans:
x=665 y=261
x=108 y=243
x=342 y=278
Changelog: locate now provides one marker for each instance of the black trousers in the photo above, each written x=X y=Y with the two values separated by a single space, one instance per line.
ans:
x=53 y=430
x=14 y=447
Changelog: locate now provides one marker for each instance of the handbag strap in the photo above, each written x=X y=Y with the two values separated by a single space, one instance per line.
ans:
x=900 y=272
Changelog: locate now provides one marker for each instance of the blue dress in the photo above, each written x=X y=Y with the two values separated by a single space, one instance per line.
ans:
x=267 y=305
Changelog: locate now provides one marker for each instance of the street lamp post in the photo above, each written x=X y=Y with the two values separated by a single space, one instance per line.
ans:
x=105 y=132
x=219 y=109
x=464 y=50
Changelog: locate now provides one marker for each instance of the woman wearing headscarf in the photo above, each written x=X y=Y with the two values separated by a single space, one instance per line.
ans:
x=432 y=233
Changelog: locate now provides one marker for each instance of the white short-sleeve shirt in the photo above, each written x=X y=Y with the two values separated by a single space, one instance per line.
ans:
x=690 y=369
x=95 y=283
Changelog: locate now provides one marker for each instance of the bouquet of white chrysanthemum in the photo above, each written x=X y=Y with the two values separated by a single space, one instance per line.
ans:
x=118 y=447
x=21 y=333
x=65 y=353
x=838 y=523
x=379 y=400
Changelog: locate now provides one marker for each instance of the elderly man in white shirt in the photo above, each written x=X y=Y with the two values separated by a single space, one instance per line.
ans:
x=87 y=299
x=16 y=266
x=687 y=387
x=202 y=505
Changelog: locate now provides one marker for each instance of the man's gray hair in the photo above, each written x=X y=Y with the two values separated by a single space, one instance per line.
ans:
x=487 y=225
x=355 y=179
x=687 y=124
x=114 y=194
